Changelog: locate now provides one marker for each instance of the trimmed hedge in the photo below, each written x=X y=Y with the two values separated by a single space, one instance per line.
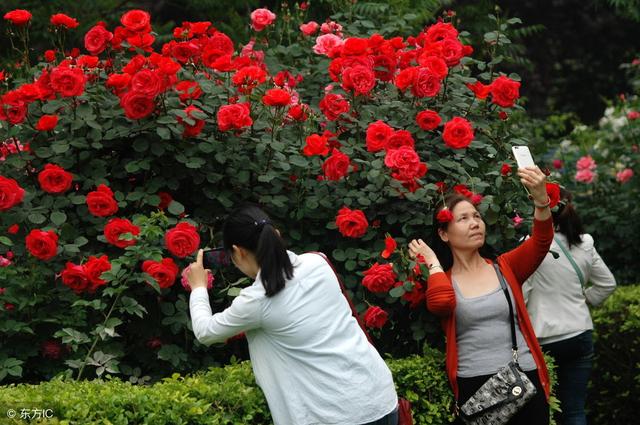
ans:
x=219 y=396
x=615 y=380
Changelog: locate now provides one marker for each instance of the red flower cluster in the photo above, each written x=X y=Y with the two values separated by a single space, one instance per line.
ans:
x=116 y=227
x=86 y=277
x=504 y=91
x=474 y=198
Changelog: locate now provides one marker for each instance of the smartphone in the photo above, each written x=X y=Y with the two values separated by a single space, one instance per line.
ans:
x=215 y=258
x=523 y=156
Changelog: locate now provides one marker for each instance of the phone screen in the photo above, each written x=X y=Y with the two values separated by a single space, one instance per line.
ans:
x=523 y=156
x=215 y=258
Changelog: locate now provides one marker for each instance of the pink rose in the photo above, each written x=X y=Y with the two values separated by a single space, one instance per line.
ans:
x=586 y=163
x=261 y=18
x=185 y=282
x=327 y=42
x=309 y=28
x=585 y=176
x=624 y=175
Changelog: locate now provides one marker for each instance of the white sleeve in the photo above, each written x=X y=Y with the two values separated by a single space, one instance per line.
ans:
x=602 y=281
x=243 y=314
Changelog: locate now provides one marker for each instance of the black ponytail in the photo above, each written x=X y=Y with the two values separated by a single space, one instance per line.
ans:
x=249 y=227
x=566 y=219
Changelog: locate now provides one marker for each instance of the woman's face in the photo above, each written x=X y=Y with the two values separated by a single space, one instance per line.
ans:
x=467 y=230
x=244 y=261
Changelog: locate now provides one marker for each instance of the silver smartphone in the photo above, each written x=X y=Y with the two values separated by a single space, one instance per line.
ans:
x=523 y=156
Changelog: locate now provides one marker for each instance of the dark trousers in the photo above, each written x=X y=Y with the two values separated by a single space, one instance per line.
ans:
x=390 y=419
x=573 y=358
x=535 y=412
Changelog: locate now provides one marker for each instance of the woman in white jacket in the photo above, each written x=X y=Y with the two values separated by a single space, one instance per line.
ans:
x=558 y=302
x=308 y=353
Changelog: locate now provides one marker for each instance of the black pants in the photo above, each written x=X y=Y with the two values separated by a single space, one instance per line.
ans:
x=535 y=412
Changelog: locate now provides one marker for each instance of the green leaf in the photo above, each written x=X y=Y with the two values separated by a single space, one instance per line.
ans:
x=397 y=292
x=58 y=218
x=6 y=241
x=176 y=208
x=164 y=133
x=36 y=218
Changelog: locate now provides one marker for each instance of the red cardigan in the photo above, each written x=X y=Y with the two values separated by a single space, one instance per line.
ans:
x=516 y=266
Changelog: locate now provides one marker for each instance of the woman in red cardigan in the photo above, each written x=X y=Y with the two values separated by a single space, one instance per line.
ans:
x=464 y=290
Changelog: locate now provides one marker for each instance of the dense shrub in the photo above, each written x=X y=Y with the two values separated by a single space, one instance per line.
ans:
x=615 y=381
x=120 y=162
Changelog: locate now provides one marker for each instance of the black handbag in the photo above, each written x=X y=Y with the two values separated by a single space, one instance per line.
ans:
x=506 y=392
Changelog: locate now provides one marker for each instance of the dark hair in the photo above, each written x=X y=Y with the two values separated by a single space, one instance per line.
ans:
x=566 y=219
x=249 y=227
x=441 y=249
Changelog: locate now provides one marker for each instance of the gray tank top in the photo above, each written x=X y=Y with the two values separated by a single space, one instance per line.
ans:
x=483 y=334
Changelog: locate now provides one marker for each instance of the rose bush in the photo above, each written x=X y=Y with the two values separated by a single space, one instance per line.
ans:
x=348 y=139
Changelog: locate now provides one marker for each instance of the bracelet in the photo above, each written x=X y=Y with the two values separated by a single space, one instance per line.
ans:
x=543 y=205
x=433 y=266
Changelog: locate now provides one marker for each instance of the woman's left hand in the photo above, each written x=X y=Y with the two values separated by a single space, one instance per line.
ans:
x=536 y=181
x=197 y=274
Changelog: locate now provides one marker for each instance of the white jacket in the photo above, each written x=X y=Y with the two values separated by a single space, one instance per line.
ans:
x=309 y=355
x=555 y=301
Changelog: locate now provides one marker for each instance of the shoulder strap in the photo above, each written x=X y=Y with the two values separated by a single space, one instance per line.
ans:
x=344 y=292
x=505 y=289
x=571 y=260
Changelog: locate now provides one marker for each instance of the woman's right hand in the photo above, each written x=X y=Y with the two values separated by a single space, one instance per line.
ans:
x=419 y=247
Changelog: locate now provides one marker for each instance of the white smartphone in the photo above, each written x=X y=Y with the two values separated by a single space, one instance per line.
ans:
x=523 y=156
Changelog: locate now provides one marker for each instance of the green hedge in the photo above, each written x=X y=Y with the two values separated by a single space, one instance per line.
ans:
x=615 y=381
x=226 y=395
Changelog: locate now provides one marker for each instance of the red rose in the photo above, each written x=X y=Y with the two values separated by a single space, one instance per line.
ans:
x=428 y=120
x=13 y=229
x=236 y=116
x=375 y=317
x=458 y=133
x=164 y=272
x=384 y=67
x=379 y=278
x=94 y=267
x=425 y=83
x=299 y=112
x=74 y=277
x=116 y=227
x=435 y=64
x=361 y=79
x=390 y=246
x=18 y=17
x=336 y=166
x=51 y=349
x=191 y=130
x=504 y=91
x=444 y=215
x=101 y=202
x=50 y=55
x=505 y=170
x=62 y=20
x=182 y=240
x=316 y=145
x=188 y=90
x=137 y=105
x=378 y=134
x=463 y=190
x=42 y=244
x=405 y=164
x=405 y=78
x=165 y=200
x=54 y=179
x=480 y=90
x=553 y=190
x=11 y=193
x=261 y=18
x=400 y=138
x=334 y=105
x=351 y=223
x=137 y=21
x=97 y=39
x=47 y=123
x=146 y=82
x=416 y=296
x=67 y=81
x=276 y=97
